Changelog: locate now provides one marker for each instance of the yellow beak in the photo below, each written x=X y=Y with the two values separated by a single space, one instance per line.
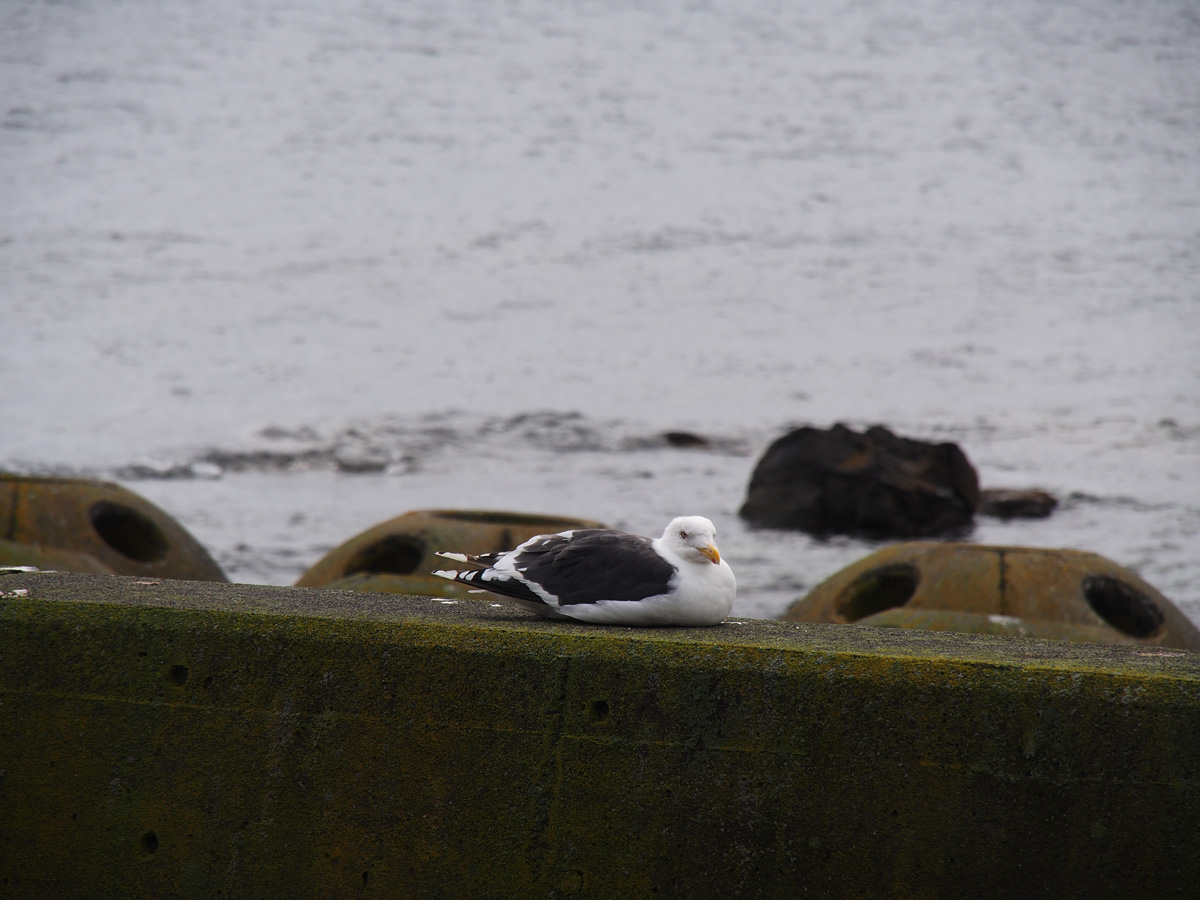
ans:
x=711 y=552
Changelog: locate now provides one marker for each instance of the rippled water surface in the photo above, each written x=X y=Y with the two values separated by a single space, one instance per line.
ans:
x=290 y=268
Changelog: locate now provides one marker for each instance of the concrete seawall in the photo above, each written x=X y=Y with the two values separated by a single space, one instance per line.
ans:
x=182 y=739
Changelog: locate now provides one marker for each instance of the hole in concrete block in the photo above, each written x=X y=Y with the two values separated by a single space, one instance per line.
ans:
x=1124 y=608
x=128 y=532
x=395 y=554
x=877 y=590
x=598 y=711
x=150 y=842
x=178 y=675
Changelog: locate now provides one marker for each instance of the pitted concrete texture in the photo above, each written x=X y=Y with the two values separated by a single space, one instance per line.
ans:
x=186 y=739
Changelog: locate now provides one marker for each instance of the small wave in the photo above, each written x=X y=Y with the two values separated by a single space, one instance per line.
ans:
x=402 y=445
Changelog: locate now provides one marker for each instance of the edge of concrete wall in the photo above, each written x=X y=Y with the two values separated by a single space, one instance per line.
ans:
x=189 y=739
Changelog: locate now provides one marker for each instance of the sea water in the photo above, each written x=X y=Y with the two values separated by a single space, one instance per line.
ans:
x=291 y=267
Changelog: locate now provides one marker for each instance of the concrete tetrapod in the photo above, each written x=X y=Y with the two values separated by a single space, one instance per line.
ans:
x=123 y=532
x=50 y=559
x=1019 y=591
x=398 y=556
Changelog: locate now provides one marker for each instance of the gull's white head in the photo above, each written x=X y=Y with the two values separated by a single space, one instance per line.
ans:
x=693 y=538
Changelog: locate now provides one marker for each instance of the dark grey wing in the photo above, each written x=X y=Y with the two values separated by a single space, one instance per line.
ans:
x=594 y=564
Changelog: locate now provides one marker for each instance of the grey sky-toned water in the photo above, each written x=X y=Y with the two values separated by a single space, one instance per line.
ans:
x=490 y=249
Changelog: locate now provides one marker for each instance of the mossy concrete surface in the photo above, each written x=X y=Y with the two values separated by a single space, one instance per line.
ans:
x=175 y=739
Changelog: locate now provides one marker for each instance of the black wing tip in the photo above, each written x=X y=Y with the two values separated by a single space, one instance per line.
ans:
x=505 y=587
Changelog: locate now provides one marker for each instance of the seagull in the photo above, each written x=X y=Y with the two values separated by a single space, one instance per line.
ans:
x=608 y=577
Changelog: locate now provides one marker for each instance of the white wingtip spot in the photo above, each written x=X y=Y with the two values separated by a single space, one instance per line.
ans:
x=457 y=557
x=446 y=573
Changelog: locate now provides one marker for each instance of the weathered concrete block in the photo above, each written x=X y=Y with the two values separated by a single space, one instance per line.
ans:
x=85 y=525
x=399 y=556
x=1039 y=592
x=178 y=739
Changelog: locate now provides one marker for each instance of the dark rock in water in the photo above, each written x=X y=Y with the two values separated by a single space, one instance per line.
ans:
x=875 y=484
x=1016 y=504
x=685 y=439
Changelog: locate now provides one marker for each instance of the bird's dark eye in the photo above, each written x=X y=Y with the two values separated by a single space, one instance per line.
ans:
x=683 y=534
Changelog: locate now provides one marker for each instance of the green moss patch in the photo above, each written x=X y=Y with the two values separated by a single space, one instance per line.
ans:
x=166 y=739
